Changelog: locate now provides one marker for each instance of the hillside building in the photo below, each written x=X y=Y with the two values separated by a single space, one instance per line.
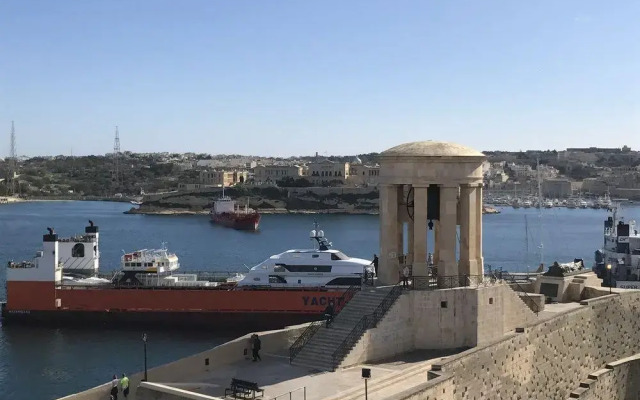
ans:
x=222 y=177
x=323 y=173
x=273 y=173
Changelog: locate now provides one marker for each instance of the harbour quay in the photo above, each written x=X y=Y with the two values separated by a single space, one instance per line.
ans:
x=435 y=324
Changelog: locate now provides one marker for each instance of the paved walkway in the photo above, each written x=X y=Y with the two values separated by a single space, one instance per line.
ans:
x=277 y=377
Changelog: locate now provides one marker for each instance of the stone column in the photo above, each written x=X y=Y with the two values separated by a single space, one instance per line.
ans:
x=468 y=221
x=436 y=241
x=447 y=265
x=420 y=230
x=400 y=249
x=410 y=227
x=479 y=256
x=389 y=222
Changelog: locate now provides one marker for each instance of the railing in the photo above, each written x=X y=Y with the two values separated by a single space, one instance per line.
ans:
x=450 y=282
x=457 y=281
x=290 y=393
x=303 y=339
x=366 y=322
x=313 y=327
x=346 y=297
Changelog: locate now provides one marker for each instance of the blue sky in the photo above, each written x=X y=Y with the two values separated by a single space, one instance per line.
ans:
x=338 y=77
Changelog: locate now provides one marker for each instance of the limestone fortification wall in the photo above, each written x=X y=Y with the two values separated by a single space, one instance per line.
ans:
x=442 y=319
x=276 y=341
x=546 y=360
x=619 y=380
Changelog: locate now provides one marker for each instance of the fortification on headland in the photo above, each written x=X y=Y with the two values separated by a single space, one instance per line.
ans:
x=454 y=333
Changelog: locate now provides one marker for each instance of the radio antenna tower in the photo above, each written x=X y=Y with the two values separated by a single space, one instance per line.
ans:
x=116 y=162
x=13 y=160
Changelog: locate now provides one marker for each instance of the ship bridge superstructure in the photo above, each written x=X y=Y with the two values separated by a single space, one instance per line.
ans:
x=80 y=254
x=619 y=259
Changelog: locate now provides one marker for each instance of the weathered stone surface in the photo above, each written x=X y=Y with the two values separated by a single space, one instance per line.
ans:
x=550 y=359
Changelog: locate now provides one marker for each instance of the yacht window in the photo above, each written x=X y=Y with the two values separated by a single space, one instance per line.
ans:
x=308 y=268
x=279 y=268
x=138 y=264
x=276 y=279
x=339 y=256
x=315 y=255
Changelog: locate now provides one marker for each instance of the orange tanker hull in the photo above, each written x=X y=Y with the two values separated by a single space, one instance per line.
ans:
x=235 y=309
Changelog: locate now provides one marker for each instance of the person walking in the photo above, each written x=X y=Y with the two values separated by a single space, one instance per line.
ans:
x=328 y=313
x=114 y=388
x=405 y=277
x=375 y=263
x=124 y=384
x=257 y=345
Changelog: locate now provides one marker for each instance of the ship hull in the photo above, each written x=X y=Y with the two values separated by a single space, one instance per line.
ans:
x=232 y=322
x=232 y=310
x=247 y=222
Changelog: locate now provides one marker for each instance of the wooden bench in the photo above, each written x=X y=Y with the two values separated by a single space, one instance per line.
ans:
x=244 y=389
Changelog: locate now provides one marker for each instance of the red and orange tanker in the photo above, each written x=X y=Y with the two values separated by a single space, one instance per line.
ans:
x=147 y=290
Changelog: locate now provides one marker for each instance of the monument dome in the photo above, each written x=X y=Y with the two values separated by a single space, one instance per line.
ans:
x=430 y=148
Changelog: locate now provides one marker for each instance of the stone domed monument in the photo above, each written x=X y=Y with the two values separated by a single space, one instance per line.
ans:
x=430 y=186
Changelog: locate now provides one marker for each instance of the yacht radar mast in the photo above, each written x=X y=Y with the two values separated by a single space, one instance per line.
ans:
x=318 y=235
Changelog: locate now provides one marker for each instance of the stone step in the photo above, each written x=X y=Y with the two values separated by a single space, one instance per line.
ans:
x=318 y=355
x=315 y=358
x=319 y=349
x=323 y=368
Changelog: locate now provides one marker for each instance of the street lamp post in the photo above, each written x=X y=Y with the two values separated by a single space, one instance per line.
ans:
x=144 y=340
x=366 y=374
x=610 y=283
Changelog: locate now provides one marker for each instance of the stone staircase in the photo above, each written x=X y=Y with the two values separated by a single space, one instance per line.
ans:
x=318 y=351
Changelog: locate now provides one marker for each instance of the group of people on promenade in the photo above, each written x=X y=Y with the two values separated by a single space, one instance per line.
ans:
x=117 y=384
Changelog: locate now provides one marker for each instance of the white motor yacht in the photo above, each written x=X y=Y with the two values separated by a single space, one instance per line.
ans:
x=317 y=267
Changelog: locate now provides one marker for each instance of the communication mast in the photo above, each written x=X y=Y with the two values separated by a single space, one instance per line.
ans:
x=13 y=161
x=116 y=178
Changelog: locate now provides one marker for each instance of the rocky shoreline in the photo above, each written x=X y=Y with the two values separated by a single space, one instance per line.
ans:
x=266 y=211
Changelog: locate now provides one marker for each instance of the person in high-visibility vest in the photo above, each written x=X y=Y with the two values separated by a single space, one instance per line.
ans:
x=124 y=384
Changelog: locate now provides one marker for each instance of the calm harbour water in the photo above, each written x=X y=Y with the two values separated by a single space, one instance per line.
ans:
x=41 y=363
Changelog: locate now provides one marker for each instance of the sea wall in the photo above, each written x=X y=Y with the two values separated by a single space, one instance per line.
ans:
x=544 y=360
x=442 y=319
x=345 y=199
x=276 y=341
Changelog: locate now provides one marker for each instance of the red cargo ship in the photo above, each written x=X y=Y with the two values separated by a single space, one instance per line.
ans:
x=283 y=290
x=225 y=212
